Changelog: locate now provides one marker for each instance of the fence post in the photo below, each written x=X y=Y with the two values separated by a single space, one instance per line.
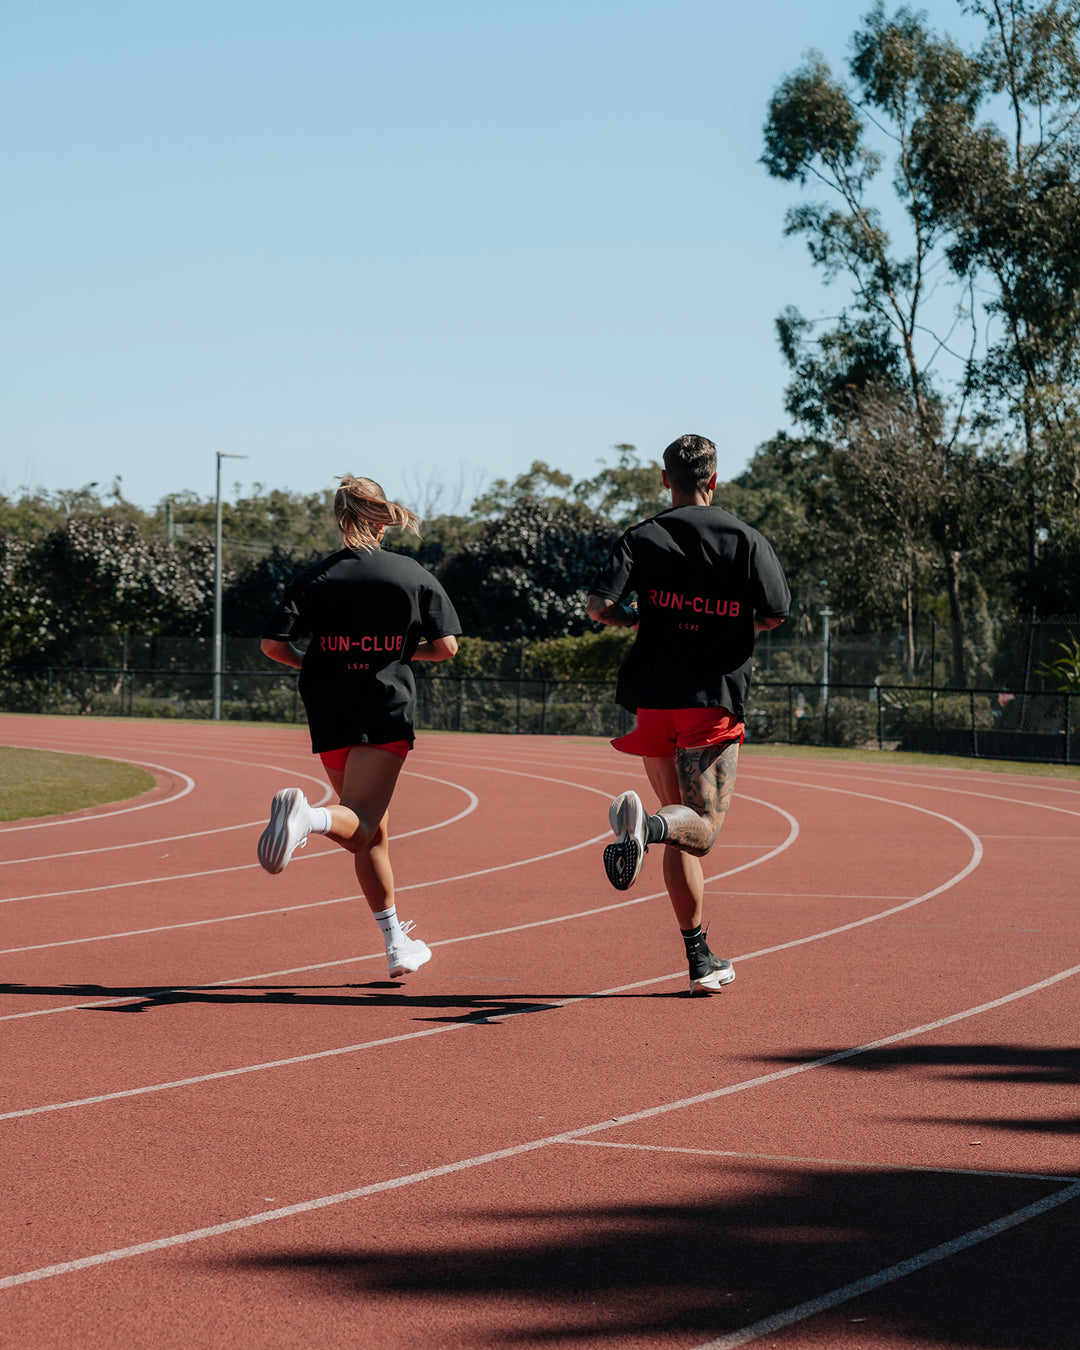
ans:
x=974 y=733
x=933 y=669
x=1068 y=729
x=543 y=709
x=460 y=703
x=790 y=715
x=880 y=739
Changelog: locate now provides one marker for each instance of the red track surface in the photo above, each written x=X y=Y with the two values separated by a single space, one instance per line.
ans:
x=224 y=1126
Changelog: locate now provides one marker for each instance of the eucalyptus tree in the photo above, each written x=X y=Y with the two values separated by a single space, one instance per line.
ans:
x=824 y=132
x=1008 y=193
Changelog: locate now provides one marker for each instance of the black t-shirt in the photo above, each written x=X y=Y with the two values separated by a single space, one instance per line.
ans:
x=701 y=578
x=366 y=611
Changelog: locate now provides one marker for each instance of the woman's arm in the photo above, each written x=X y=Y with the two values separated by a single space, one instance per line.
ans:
x=284 y=652
x=438 y=649
x=614 y=613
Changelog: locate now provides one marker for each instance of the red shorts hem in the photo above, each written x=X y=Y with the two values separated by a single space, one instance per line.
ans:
x=661 y=731
x=336 y=759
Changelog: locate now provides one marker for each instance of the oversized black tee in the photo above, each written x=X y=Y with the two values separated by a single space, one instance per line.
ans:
x=701 y=578
x=366 y=612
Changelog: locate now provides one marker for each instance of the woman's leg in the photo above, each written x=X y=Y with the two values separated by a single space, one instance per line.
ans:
x=360 y=822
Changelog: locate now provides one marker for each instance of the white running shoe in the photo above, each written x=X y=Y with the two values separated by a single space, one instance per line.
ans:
x=623 y=859
x=287 y=831
x=407 y=954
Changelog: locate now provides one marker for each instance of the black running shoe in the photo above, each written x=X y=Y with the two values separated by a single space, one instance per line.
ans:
x=708 y=971
x=623 y=859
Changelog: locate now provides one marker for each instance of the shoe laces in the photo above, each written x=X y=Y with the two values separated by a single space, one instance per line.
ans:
x=406 y=929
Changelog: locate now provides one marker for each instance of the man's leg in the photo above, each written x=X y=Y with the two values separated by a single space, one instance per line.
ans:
x=689 y=819
x=683 y=876
x=706 y=777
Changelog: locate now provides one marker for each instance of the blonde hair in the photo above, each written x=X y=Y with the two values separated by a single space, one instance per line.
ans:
x=362 y=512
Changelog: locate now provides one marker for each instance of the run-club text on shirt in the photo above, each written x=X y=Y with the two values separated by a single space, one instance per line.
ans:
x=381 y=644
x=699 y=604
x=342 y=642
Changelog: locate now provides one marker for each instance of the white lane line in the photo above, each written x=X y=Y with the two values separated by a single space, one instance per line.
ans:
x=189 y=784
x=172 y=927
x=473 y=802
x=768 y=1325
x=793 y=832
x=495 y=1015
x=413 y=1178
x=937 y=787
x=320 y=783
x=976 y=1173
x=324 y=788
x=416 y=885
x=970 y=866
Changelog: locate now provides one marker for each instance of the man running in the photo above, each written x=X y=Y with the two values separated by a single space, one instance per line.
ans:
x=705 y=583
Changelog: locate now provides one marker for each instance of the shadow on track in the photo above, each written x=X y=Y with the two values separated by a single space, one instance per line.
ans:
x=376 y=994
x=1032 y=1065
x=736 y=1243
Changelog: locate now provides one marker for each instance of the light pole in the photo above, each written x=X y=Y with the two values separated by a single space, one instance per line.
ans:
x=826 y=615
x=217 y=587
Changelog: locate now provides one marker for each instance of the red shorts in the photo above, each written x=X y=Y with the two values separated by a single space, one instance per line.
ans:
x=660 y=731
x=335 y=759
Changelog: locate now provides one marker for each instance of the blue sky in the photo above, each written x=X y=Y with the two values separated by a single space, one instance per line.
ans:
x=426 y=242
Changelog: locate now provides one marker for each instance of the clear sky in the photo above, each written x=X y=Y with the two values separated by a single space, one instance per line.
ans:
x=427 y=242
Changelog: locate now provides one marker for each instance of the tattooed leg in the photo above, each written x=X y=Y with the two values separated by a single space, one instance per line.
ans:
x=694 y=789
x=706 y=777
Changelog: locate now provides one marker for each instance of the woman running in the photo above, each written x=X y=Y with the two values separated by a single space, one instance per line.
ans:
x=370 y=614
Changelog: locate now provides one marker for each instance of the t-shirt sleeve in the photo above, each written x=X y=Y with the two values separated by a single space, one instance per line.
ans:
x=286 y=623
x=772 y=599
x=438 y=617
x=614 y=580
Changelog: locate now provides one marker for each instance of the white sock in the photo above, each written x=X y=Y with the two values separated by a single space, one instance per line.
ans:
x=318 y=820
x=387 y=920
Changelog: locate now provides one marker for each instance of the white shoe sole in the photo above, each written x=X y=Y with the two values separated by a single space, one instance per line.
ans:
x=716 y=980
x=408 y=963
x=286 y=831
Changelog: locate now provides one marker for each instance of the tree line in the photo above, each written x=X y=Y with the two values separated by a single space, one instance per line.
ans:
x=932 y=471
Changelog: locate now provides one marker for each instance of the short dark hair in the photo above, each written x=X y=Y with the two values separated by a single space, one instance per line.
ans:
x=690 y=463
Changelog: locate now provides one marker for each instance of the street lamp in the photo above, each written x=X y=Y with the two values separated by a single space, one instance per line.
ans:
x=826 y=644
x=217 y=588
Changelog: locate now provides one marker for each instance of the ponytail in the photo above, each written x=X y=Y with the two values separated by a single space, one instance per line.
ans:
x=361 y=511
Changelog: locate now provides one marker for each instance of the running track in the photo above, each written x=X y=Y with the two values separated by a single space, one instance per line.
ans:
x=225 y=1126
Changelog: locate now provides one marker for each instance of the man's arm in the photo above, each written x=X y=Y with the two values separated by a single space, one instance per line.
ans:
x=438 y=649
x=615 y=613
x=284 y=652
x=764 y=625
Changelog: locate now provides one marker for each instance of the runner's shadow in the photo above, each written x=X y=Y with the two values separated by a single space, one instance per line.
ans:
x=721 y=1245
x=381 y=994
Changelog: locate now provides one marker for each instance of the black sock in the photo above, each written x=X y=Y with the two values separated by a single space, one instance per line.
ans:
x=655 y=829
x=692 y=937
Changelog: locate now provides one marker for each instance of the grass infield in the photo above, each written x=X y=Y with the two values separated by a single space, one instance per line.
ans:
x=44 y=783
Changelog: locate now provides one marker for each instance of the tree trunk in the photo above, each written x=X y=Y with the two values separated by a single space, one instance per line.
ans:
x=956 y=617
x=909 y=612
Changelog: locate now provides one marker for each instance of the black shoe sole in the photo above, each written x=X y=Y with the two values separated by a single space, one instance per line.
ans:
x=622 y=863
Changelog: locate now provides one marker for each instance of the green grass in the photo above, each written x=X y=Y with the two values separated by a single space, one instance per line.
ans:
x=43 y=783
